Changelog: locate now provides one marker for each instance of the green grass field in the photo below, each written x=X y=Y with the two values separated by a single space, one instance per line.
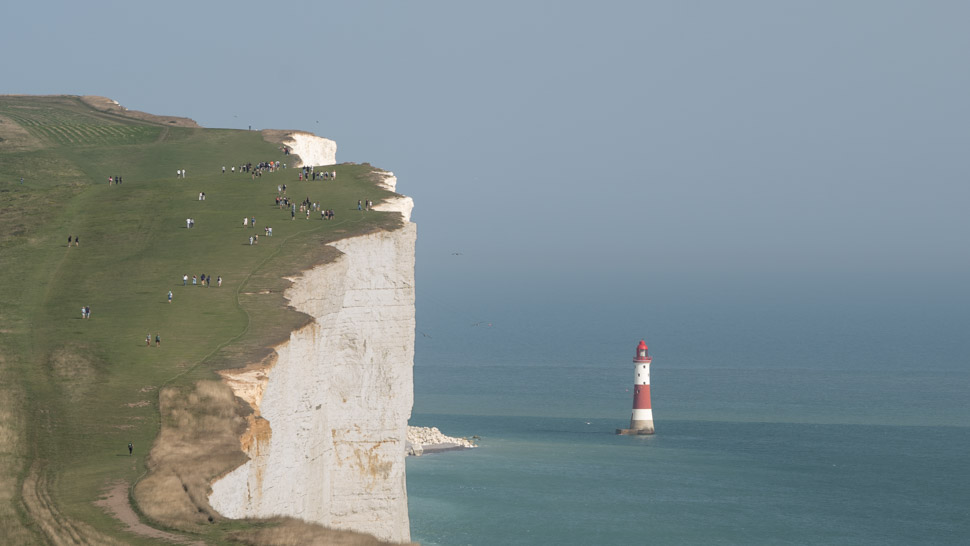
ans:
x=74 y=392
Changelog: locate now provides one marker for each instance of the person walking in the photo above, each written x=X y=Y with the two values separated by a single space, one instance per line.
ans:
x=185 y=279
x=219 y=281
x=148 y=340
x=77 y=240
x=131 y=448
x=158 y=340
x=170 y=296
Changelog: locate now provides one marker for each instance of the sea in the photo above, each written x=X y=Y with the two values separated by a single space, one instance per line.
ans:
x=833 y=417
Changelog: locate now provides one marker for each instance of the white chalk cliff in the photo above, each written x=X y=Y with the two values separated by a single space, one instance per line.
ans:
x=313 y=151
x=327 y=442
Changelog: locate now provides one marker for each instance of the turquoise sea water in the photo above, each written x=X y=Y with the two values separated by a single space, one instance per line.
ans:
x=797 y=423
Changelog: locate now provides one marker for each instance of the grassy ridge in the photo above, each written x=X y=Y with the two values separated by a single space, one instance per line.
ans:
x=84 y=388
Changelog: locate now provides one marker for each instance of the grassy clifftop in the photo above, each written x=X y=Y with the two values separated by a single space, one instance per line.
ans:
x=74 y=392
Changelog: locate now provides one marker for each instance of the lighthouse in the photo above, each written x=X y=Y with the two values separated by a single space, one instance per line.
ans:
x=642 y=420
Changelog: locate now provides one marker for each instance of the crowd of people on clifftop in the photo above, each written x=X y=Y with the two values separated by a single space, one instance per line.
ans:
x=282 y=201
x=255 y=169
x=310 y=174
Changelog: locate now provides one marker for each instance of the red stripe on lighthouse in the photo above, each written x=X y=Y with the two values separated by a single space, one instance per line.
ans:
x=641 y=397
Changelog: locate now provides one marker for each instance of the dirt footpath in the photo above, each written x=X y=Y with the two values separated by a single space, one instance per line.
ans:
x=115 y=502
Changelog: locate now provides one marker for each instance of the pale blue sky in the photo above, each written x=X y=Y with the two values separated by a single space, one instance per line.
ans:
x=578 y=149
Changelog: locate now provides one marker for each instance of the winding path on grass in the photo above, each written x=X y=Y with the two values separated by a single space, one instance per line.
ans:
x=116 y=503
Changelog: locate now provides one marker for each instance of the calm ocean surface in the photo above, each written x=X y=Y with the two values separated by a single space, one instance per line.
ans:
x=784 y=422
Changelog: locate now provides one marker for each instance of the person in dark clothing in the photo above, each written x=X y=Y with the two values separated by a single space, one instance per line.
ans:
x=130 y=448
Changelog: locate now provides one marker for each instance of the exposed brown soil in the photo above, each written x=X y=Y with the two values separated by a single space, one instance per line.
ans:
x=279 y=136
x=199 y=441
x=115 y=502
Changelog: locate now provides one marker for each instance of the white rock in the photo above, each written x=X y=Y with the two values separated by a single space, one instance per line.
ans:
x=329 y=440
x=402 y=203
x=421 y=438
x=314 y=151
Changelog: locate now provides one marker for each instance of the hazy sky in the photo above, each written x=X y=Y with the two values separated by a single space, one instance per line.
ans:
x=585 y=149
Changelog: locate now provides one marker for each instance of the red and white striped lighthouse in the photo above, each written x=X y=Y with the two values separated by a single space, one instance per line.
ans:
x=642 y=420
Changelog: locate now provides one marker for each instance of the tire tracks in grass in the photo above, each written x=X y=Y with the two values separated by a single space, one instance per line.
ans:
x=33 y=486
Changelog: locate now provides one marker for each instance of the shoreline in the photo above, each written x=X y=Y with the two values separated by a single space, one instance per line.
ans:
x=432 y=449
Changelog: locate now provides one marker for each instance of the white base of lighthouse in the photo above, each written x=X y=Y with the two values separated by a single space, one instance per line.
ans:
x=640 y=423
x=637 y=426
x=648 y=430
x=642 y=420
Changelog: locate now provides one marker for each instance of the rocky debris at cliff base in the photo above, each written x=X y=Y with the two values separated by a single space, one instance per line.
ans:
x=423 y=440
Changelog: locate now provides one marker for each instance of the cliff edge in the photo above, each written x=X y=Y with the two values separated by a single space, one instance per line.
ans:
x=326 y=442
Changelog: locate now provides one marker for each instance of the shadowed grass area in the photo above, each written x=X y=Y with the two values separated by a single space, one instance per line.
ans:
x=74 y=392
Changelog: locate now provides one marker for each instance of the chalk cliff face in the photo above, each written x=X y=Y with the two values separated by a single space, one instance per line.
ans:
x=313 y=151
x=327 y=442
